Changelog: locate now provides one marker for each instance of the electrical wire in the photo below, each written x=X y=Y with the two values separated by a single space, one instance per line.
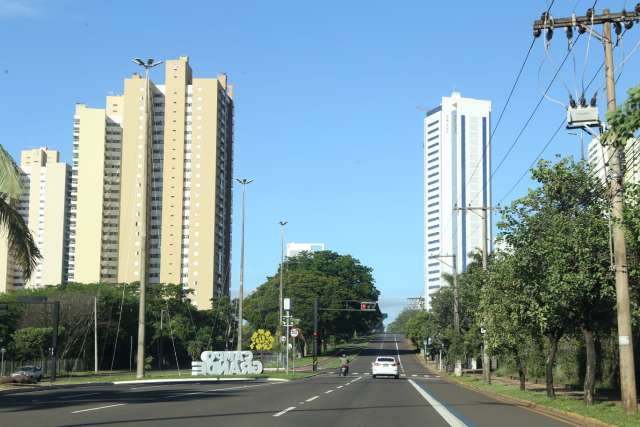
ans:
x=553 y=136
x=528 y=121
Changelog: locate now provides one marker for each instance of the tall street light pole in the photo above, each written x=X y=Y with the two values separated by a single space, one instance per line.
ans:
x=243 y=182
x=147 y=65
x=280 y=295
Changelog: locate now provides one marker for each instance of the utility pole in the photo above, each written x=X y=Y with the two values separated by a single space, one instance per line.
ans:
x=147 y=65
x=244 y=183
x=586 y=23
x=486 y=361
x=279 y=333
x=95 y=334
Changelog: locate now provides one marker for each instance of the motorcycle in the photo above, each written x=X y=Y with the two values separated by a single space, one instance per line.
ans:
x=344 y=370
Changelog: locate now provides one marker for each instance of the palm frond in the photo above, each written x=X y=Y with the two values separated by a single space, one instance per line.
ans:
x=22 y=247
x=9 y=175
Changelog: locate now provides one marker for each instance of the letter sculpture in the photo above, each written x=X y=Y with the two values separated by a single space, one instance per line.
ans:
x=226 y=363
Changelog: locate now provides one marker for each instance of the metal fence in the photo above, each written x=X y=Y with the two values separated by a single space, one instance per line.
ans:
x=64 y=366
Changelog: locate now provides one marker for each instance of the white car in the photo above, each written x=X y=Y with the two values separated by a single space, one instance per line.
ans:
x=385 y=365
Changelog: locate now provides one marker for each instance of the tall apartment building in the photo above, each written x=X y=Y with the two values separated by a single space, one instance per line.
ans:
x=294 y=248
x=598 y=156
x=157 y=170
x=44 y=206
x=457 y=169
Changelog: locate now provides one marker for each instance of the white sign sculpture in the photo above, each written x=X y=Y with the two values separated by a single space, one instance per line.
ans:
x=226 y=363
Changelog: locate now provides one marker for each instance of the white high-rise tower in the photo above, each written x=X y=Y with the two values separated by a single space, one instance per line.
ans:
x=457 y=169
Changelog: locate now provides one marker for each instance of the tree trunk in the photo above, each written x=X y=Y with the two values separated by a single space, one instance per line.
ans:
x=590 y=372
x=551 y=361
x=521 y=373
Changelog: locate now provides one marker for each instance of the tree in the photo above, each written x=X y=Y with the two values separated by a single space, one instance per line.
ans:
x=21 y=245
x=558 y=238
x=328 y=276
x=399 y=324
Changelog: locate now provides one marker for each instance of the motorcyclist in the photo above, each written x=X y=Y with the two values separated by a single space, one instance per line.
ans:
x=344 y=365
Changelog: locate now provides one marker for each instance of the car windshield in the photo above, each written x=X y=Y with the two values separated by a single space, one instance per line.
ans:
x=386 y=359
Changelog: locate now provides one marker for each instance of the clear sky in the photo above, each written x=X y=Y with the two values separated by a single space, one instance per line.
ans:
x=328 y=98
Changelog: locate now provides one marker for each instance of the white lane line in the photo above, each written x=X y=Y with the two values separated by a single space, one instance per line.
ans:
x=451 y=419
x=340 y=386
x=285 y=411
x=398 y=351
x=78 y=395
x=311 y=399
x=356 y=373
x=328 y=391
x=413 y=375
x=100 y=407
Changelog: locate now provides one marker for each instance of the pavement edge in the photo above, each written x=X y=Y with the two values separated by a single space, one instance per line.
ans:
x=545 y=410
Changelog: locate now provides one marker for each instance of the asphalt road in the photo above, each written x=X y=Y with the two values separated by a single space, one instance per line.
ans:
x=326 y=400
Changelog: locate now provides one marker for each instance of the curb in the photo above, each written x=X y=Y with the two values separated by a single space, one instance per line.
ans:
x=133 y=382
x=545 y=410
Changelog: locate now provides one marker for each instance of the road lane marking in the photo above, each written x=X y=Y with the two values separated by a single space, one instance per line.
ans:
x=444 y=412
x=100 y=407
x=78 y=395
x=398 y=351
x=328 y=391
x=413 y=375
x=311 y=399
x=340 y=386
x=290 y=408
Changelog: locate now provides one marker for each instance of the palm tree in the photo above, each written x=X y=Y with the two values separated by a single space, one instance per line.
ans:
x=22 y=248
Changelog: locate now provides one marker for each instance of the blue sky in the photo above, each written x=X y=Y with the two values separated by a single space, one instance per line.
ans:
x=328 y=98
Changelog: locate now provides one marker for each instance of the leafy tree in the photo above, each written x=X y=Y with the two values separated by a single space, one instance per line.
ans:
x=399 y=324
x=328 y=276
x=558 y=236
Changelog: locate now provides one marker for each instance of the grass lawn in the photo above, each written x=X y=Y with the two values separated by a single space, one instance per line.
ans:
x=605 y=411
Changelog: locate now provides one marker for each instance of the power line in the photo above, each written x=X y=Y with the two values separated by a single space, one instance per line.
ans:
x=526 y=171
x=535 y=110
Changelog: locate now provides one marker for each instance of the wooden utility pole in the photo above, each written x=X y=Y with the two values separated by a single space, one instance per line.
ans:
x=616 y=151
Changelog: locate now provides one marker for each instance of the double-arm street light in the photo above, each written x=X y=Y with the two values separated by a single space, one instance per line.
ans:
x=243 y=182
x=147 y=65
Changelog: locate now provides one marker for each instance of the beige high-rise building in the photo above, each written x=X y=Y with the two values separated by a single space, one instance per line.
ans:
x=157 y=170
x=44 y=207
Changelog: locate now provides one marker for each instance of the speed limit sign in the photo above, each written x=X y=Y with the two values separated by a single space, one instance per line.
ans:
x=294 y=332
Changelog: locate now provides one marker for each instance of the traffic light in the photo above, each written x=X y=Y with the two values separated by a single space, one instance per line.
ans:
x=368 y=306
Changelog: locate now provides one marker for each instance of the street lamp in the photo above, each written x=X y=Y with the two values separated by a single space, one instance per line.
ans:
x=148 y=65
x=243 y=182
x=282 y=224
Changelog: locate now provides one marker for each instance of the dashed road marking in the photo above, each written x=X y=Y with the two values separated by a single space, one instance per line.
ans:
x=328 y=391
x=311 y=399
x=99 y=407
x=290 y=408
x=413 y=375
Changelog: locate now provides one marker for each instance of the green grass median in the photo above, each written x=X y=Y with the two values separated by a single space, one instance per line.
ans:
x=607 y=412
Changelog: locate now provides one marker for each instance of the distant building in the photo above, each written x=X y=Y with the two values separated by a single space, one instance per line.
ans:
x=457 y=170
x=599 y=157
x=416 y=303
x=294 y=249
x=44 y=206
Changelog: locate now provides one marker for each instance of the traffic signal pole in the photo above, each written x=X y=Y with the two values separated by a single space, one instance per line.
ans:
x=616 y=151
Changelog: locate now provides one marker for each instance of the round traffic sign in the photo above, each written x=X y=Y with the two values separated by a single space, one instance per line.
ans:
x=294 y=332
